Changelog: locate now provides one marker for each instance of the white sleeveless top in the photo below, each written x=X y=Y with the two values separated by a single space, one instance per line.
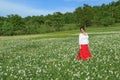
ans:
x=83 y=39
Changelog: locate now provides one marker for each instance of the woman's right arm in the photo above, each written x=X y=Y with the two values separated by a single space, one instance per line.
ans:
x=79 y=41
x=80 y=46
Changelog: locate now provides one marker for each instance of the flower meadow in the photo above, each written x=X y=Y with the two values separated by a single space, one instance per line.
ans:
x=35 y=58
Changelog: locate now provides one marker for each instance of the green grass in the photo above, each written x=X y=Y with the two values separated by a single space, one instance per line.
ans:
x=47 y=57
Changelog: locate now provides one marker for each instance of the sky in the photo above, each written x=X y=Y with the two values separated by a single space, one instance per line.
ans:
x=43 y=7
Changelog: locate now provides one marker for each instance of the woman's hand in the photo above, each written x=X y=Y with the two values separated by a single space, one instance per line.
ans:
x=80 y=46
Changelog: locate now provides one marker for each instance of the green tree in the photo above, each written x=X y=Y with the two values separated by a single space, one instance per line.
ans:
x=84 y=15
x=32 y=25
x=55 y=21
x=79 y=16
x=17 y=22
x=69 y=18
x=107 y=21
x=87 y=15
x=7 y=28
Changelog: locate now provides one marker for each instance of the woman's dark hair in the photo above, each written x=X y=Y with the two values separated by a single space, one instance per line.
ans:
x=82 y=27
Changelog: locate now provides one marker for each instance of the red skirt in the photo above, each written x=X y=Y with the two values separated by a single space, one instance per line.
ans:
x=84 y=53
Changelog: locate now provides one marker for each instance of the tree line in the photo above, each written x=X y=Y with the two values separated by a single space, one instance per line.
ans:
x=105 y=15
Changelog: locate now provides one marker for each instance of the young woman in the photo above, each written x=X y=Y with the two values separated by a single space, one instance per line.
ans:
x=84 y=52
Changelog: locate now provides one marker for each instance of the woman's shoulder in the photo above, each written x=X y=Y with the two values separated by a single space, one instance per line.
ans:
x=80 y=34
x=83 y=34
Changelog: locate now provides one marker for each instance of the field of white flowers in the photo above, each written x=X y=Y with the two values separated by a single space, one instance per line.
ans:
x=28 y=58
